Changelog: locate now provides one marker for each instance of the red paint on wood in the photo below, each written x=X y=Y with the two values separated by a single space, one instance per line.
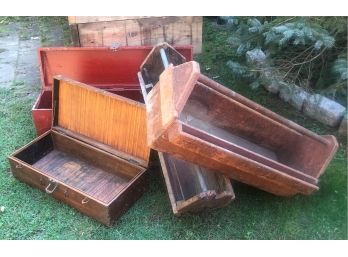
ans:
x=107 y=68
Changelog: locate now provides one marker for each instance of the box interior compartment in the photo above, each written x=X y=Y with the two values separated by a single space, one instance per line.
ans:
x=97 y=174
x=97 y=66
x=113 y=70
x=188 y=180
x=223 y=121
x=45 y=100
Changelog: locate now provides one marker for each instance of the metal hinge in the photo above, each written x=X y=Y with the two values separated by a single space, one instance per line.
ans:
x=63 y=133
x=133 y=161
x=147 y=86
x=60 y=131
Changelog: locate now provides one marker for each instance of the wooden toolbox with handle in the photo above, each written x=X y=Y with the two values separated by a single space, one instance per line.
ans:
x=201 y=121
x=191 y=188
x=95 y=157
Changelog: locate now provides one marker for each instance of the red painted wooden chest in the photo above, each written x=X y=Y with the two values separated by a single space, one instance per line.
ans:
x=111 y=69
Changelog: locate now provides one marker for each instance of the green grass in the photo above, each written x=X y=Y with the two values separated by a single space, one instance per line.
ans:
x=31 y=214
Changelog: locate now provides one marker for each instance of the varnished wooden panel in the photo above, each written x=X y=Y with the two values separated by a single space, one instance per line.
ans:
x=112 y=120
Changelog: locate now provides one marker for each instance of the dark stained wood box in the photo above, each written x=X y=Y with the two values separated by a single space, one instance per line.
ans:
x=201 y=121
x=191 y=188
x=100 y=174
x=114 y=70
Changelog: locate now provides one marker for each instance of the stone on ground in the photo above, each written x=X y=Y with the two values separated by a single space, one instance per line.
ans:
x=324 y=110
x=272 y=87
x=269 y=82
x=294 y=95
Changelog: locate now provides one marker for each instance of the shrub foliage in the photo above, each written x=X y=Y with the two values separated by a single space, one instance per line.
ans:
x=310 y=52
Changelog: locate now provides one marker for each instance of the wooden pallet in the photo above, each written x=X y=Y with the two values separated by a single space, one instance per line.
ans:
x=136 y=30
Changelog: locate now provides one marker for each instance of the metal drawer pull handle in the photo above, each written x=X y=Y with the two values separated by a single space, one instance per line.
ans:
x=85 y=200
x=52 y=183
x=19 y=166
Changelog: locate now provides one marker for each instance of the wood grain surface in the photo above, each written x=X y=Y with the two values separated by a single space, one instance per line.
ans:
x=87 y=178
x=106 y=118
x=133 y=31
x=205 y=123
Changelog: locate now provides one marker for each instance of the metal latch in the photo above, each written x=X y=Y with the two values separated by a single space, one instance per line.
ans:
x=114 y=46
x=51 y=186
x=85 y=200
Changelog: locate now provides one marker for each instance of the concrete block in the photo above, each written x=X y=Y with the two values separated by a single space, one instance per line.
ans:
x=324 y=110
x=272 y=87
x=294 y=95
x=269 y=82
x=285 y=92
x=298 y=98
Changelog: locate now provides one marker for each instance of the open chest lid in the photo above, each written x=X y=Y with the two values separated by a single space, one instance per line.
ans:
x=107 y=121
x=96 y=66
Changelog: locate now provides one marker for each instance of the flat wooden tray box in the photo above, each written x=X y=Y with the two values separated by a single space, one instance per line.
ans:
x=100 y=174
x=114 y=70
x=191 y=188
x=207 y=124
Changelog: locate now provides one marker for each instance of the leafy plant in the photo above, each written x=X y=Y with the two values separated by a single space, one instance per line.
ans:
x=306 y=51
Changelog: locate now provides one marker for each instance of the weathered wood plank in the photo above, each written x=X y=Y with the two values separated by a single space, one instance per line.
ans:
x=89 y=19
x=143 y=31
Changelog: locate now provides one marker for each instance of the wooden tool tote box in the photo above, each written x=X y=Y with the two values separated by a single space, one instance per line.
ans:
x=107 y=68
x=191 y=188
x=207 y=124
x=95 y=156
